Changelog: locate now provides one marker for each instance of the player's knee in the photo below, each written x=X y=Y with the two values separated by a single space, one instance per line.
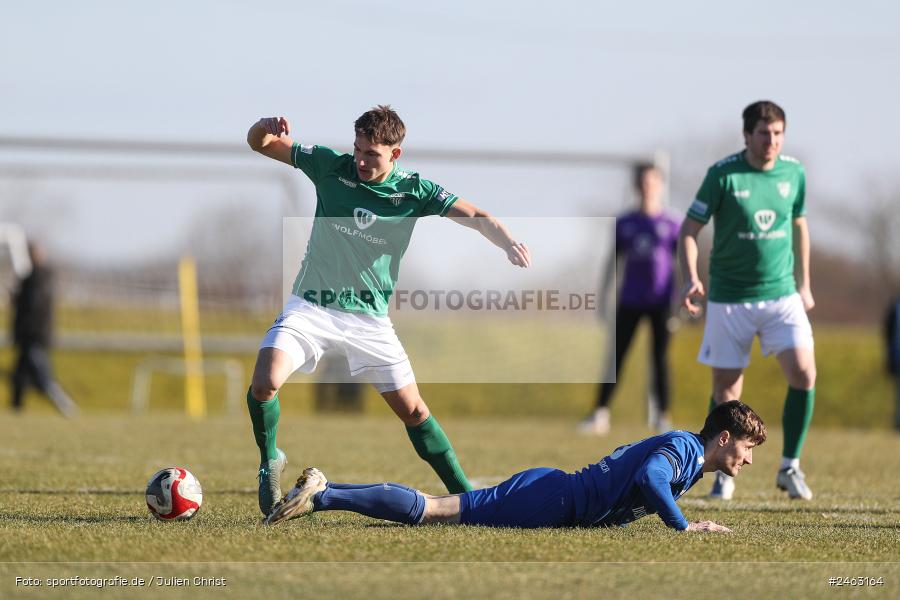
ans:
x=415 y=415
x=263 y=391
x=413 y=411
x=805 y=379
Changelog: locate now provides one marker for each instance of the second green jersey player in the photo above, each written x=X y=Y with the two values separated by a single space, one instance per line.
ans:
x=366 y=207
x=759 y=278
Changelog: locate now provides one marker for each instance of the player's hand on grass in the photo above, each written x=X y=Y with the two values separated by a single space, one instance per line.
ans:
x=519 y=254
x=807 y=298
x=276 y=126
x=707 y=526
x=693 y=291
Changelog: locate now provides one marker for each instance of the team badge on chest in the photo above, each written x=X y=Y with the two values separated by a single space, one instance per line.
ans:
x=364 y=218
x=764 y=219
x=784 y=188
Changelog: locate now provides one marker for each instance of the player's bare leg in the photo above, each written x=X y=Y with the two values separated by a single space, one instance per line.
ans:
x=799 y=367
x=408 y=405
x=442 y=509
x=727 y=385
x=427 y=437
x=273 y=367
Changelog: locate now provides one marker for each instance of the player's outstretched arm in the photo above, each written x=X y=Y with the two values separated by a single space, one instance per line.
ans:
x=707 y=526
x=269 y=137
x=688 y=253
x=466 y=213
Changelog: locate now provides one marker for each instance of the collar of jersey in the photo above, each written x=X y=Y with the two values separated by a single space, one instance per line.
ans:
x=770 y=172
x=390 y=178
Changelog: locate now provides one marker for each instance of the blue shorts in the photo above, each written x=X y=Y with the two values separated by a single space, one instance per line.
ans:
x=533 y=498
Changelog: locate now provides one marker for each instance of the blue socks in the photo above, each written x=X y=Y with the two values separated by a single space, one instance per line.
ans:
x=388 y=501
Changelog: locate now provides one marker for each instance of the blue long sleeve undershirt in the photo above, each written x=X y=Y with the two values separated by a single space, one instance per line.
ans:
x=654 y=479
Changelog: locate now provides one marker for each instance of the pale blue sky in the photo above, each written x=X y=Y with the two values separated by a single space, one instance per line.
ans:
x=593 y=76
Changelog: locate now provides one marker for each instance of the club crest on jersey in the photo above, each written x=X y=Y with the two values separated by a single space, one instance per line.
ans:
x=396 y=199
x=784 y=188
x=364 y=218
x=764 y=219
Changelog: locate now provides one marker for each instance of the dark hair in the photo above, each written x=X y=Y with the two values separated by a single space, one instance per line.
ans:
x=638 y=170
x=381 y=125
x=762 y=110
x=738 y=419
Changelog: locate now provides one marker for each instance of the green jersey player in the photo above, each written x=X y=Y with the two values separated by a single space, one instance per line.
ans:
x=366 y=206
x=758 y=278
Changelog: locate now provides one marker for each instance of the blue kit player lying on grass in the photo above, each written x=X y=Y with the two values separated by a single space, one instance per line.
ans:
x=634 y=481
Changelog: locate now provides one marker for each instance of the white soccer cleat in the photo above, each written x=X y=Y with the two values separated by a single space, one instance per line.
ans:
x=596 y=423
x=299 y=500
x=793 y=482
x=723 y=487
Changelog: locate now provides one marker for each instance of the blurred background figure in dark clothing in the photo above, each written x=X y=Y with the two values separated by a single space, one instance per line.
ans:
x=892 y=337
x=33 y=333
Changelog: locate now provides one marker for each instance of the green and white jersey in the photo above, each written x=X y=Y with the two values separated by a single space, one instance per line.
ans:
x=753 y=211
x=361 y=230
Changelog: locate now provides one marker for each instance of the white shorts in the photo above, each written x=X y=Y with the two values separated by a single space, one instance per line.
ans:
x=781 y=324
x=306 y=331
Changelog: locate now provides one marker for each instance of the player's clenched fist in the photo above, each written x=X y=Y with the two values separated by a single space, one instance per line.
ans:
x=690 y=297
x=275 y=126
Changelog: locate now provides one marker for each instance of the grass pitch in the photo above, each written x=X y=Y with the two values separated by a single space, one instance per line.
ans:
x=72 y=505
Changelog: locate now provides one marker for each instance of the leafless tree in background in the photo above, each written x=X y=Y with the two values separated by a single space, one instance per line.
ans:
x=238 y=251
x=42 y=214
x=880 y=224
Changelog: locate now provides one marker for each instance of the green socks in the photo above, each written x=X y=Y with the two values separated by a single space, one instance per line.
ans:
x=433 y=447
x=798 y=411
x=264 y=416
x=427 y=438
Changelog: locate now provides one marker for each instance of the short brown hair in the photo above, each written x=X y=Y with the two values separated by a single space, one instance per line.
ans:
x=381 y=125
x=738 y=419
x=762 y=110
x=638 y=170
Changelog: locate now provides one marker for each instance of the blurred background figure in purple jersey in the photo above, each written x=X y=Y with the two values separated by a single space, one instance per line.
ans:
x=645 y=246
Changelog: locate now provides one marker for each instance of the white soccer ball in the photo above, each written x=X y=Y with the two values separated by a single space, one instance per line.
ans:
x=174 y=494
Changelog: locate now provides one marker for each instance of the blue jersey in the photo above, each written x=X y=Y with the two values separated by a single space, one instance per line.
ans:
x=639 y=479
x=634 y=481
